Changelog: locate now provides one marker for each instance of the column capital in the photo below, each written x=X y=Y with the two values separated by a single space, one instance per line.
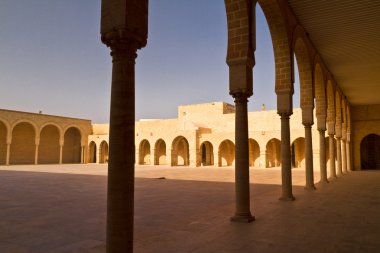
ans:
x=240 y=97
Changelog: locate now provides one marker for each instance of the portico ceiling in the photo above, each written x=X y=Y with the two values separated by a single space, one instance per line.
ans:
x=347 y=35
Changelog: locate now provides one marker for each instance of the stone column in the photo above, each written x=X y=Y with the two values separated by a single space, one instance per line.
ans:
x=344 y=156
x=309 y=158
x=83 y=153
x=286 y=163
x=263 y=156
x=124 y=35
x=339 y=156
x=242 y=211
x=61 y=143
x=8 y=152
x=322 y=156
x=98 y=152
x=348 y=154
x=37 y=143
x=216 y=157
x=332 y=157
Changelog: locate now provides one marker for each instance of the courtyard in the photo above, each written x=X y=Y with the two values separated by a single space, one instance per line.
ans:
x=62 y=208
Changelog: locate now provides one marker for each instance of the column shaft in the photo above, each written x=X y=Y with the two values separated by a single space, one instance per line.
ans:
x=60 y=153
x=8 y=153
x=36 y=155
x=344 y=157
x=348 y=154
x=122 y=151
x=286 y=166
x=339 y=156
x=309 y=159
x=242 y=192
x=263 y=157
x=332 y=156
x=322 y=156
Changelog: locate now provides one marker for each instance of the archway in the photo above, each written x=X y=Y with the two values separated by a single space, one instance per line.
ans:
x=48 y=151
x=72 y=146
x=23 y=144
x=370 y=152
x=226 y=153
x=3 y=143
x=207 y=153
x=160 y=152
x=273 y=153
x=254 y=153
x=298 y=153
x=92 y=152
x=103 y=155
x=144 y=153
x=180 y=152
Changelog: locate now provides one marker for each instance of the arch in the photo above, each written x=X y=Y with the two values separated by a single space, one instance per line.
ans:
x=298 y=153
x=226 y=153
x=277 y=24
x=305 y=73
x=103 y=154
x=254 y=153
x=23 y=144
x=160 y=152
x=320 y=96
x=330 y=107
x=144 y=152
x=72 y=146
x=273 y=153
x=180 y=151
x=92 y=152
x=370 y=152
x=3 y=142
x=48 y=150
x=207 y=153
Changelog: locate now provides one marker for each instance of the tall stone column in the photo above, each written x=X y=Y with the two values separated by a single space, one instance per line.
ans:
x=8 y=153
x=124 y=27
x=322 y=156
x=339 y=156
x=242 y=211
x=348 y=154
x=98 y=152
x=344 y=157
x=309 y=158
x=332 y=156
x=286 y=163
x=83 y=154
x=37 y=144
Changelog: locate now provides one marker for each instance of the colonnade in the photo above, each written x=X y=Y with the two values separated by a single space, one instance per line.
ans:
x=128 y=33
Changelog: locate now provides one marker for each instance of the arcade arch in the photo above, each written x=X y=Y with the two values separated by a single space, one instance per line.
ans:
x=48 y=150
x=273 y=153
x=298 y=153
x=103 y=154
x=23 y=144
x=72 y=146
x=207 y=153
x=254 y=153
x=3 y=143
x=144 y=152
x=226 y=153
x=92 y=152
x=370 y=152
x=160 y=152
x=180 y=151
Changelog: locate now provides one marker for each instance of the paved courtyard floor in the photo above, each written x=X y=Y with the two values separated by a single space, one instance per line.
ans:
x=62 y=208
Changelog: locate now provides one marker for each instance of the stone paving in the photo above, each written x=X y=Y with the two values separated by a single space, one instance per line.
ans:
x=62 y=208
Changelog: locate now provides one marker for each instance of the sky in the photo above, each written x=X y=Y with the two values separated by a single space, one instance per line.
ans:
x=52 y=59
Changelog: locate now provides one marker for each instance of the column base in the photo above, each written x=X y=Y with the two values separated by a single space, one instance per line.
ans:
x=310 y=188
x=243 y=218
x=324 y=181
x=287 y=198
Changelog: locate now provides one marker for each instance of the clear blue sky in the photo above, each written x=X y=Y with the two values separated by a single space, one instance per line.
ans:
x=51 y=59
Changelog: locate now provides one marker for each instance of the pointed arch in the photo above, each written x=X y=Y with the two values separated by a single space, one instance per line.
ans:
x=180 y=151
x=23 y=143
x=160 y=152
x=320 y=96
x=298 y=153
x=92 y=152
x=226 y=153
x=254 y=153
x=207 y=153
x=48 y=151
x=273 y=153
x=103 y=154
x=72 y=145
x=144 y=152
